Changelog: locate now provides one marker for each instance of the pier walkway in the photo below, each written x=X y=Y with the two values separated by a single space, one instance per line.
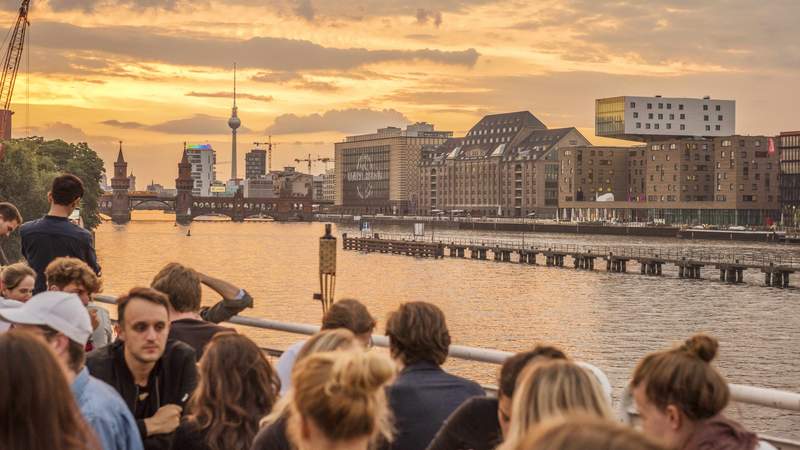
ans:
x=651 y=261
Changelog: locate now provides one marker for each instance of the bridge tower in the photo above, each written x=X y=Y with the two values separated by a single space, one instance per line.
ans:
x=120 y=183
x=184 y=185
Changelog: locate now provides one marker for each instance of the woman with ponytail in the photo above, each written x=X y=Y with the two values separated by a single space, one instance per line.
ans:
x=680 y=397
x=338 y=401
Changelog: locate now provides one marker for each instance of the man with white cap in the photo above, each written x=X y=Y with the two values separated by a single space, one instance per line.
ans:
x=61 y=319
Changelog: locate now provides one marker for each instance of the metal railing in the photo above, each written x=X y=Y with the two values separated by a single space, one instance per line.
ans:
x=752 y=260
x=751 y=395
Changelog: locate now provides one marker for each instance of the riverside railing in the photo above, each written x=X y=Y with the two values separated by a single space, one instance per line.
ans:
x=752 y=260
x=751 y=395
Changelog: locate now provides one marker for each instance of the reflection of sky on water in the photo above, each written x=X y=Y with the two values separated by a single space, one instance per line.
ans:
x=610 y=320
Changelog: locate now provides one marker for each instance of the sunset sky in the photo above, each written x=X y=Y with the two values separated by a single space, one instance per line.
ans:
x=156 y=73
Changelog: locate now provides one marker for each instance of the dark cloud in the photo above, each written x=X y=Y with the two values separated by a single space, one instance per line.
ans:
x=295 y=80
x=128 y=125
x=344 y=121
x=428 y=15
x=277 y=54
x=305 y=10
x=260 y=98
x=199 y=124
x=94 y=5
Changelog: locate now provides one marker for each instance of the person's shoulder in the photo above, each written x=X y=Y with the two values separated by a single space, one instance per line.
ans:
x=176 y=350
x=108 y=398
x=480 y=403
x=466 y=384
x=30 y=225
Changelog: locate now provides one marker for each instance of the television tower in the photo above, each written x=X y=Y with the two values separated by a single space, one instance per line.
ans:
x=234 y=122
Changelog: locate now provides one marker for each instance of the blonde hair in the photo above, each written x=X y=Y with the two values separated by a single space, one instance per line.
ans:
x=582 y=432
x=342 y=393
x=552 y=389
x=324 y=341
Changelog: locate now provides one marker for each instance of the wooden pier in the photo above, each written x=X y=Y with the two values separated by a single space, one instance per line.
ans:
x=651 y=262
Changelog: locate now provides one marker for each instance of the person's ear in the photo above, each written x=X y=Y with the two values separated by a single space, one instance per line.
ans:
x=50 y=197
x=118 y=331
x=674 y=417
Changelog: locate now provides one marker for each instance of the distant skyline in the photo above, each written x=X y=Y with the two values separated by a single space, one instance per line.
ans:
x=156 y=73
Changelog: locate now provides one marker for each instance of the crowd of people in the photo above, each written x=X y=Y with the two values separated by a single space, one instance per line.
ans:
x=166 y=375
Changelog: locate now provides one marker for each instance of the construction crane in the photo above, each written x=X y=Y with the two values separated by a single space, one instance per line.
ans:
x=11 y=62
x=270 y=145
x=309 y=161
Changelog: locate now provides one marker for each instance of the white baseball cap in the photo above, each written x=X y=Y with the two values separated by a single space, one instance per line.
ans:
x=60 y=311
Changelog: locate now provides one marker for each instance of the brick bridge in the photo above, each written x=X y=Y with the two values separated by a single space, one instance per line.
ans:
x=120 y=202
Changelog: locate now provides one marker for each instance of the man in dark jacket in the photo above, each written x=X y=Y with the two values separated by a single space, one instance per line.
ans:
x=153 y=376
x=193 y=324
x=45 y=239
x=423 y=395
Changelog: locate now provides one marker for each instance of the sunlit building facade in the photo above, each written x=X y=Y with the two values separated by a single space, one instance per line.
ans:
x=790 y=177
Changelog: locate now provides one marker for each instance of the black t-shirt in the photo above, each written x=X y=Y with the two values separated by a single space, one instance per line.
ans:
x=272 y=437
x=140 y=406
x=195 y=333
x=473 y=426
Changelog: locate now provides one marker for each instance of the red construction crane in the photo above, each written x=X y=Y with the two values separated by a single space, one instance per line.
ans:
x=11 y=62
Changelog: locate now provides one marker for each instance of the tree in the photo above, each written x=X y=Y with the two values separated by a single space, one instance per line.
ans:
x=27 y=171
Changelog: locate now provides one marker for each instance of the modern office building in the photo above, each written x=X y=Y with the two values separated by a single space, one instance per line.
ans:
x=789 y=143
x=203 y=159
x=506 y=165
x=255 y=162
x=378 y=172
x=658 y=118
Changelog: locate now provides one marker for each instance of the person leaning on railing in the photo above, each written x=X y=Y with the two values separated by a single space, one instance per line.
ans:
x=191 y=322
x=680 y=397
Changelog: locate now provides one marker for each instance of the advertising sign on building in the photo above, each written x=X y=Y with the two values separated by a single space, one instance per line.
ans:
x=366 y=176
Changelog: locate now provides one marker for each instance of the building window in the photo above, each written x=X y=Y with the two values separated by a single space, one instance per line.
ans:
x=683 y=116
x=672 y=117
x=726 y=143
x=635 y=115
x=716 y=127
x=650 y=116
x=708 y=127
x=669 y=105
x=669 y=126
x=647 y=125
x=680 y=106
x=656 y=126
x=705 y=118
x=649 y=106
x=718 y=108
x=660 y=117
x=683 y=127
x=633 y=104
x=638 y=124
x=705 y=107
x=719 y=117
x=660 y=106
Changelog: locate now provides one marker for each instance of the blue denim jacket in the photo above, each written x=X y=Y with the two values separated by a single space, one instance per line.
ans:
x=106 y=412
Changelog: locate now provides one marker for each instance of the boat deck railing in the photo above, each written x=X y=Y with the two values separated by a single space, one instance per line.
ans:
x=751 y=395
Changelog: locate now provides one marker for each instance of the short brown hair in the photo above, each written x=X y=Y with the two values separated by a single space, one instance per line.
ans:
x=684 y=377
x=350 y=314
x=182 y=286
x=66 y=270
x=418 y=332
x=76 y=352
x=142 y=293
x=11 y=276
x=513 y=366
x=10 y=213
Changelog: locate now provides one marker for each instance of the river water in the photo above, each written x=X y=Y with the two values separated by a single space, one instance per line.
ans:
x=610 y=320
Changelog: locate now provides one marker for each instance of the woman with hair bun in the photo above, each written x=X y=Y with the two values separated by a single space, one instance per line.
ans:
x=680 y=397
x=338 y=401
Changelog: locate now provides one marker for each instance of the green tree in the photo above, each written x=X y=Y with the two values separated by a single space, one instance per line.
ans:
x=27 y=171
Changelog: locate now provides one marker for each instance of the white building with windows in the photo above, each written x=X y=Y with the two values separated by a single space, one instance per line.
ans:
x=654 y=118
x=203 y=159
